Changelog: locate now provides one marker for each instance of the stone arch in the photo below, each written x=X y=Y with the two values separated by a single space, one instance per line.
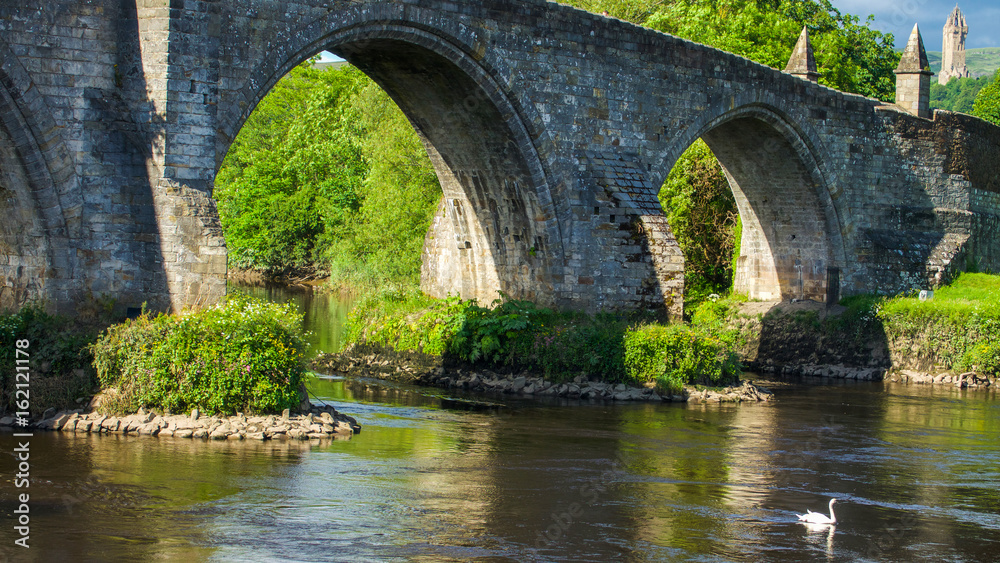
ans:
x=25 y=252
x=497 y=229
x=29 y=123
x=792 y=244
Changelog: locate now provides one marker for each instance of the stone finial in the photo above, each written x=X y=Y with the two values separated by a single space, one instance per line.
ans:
x=913 y=84
x=914 y=57
x=802 y=62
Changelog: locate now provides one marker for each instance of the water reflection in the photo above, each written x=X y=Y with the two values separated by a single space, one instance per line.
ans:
x=441 y=476
x=325 y=313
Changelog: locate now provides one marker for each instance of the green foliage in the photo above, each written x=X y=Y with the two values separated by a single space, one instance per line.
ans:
x=983 y=357
x=702 y=214
x=676 y=354
x=327 y=174
x=958 y=95
x=293 y=175
x=561 y=345
x=987 y=104
x=243 y=355
x=58 y=359
x=850 y=55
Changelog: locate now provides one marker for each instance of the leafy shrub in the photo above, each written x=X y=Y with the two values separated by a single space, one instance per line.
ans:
x=983 y=358
x=674 y=355
x=987 y=104
x=242 y=355
x=59 y=359
x=561 y=345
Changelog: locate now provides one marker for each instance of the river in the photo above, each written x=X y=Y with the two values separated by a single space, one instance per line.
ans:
x=915 y=471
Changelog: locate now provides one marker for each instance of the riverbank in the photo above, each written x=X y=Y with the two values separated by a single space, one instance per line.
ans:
x=321 y=423
x=514 y=346
x=949 y=339
x=424 y=369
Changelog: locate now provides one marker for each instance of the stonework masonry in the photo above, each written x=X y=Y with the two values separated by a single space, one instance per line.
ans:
x=549 y=128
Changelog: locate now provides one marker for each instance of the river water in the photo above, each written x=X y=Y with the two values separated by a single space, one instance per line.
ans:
x=915 y=471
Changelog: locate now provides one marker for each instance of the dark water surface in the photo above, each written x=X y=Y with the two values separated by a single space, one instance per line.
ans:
x=916 y=472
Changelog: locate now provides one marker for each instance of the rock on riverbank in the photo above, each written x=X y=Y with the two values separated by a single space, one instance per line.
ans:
x=318 y=424
x=423 y=371
x=966 y=380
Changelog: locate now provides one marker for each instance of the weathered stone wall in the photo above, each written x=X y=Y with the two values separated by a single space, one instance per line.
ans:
x=23 y=244
x=549 y=127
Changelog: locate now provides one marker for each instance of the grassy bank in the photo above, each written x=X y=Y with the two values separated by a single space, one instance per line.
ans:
x=958 y=329
x=512 y=334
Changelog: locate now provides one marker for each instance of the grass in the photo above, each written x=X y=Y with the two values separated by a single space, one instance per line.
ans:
x=984 y=61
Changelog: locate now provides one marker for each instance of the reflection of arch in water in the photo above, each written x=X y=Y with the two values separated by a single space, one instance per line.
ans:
x=791 y=244
x=496 y=229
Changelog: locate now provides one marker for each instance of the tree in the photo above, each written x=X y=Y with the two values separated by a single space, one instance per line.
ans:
x=702 y=213
x=987 y=104
x=292 y=176
x=958 y=95
x=327 y=175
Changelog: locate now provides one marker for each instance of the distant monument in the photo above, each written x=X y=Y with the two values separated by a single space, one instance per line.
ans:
x=953 y=48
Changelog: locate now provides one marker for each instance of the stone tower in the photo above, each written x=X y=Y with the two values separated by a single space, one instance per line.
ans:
x=953 y=48
x=913 y=77
x=802 y=62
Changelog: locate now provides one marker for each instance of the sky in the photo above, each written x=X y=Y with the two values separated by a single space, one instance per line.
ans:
x=898 y=17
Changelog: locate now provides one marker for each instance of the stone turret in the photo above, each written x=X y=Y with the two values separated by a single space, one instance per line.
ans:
x=953 y=48
x=802 y=62
x=913 y=77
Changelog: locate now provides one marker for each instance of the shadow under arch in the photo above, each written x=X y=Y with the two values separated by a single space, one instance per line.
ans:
x=497 y=228
x=792 y=246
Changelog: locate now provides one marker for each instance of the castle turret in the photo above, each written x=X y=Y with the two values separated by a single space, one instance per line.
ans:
x=953 y=48
x=802 y=62
x=913 y=77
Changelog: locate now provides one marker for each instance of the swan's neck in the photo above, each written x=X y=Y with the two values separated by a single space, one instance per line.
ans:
x=832 y=516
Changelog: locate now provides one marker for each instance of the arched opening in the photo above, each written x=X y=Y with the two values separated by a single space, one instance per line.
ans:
x=788 y=244
x=493 y=230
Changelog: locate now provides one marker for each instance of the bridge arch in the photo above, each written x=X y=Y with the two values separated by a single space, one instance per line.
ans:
x=496 y=229
x=791 y=246
x=25 y=252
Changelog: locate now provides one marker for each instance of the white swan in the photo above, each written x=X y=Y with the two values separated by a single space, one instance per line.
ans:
x=811 y=517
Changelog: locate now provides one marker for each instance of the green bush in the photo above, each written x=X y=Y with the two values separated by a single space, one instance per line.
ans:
x=242 y=355
x=675 y=355
x=983 y=358
x=960 y=319
x=58 y=357
x=521 y=335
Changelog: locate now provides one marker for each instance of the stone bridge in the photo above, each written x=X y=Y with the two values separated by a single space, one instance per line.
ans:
x=551 y=130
